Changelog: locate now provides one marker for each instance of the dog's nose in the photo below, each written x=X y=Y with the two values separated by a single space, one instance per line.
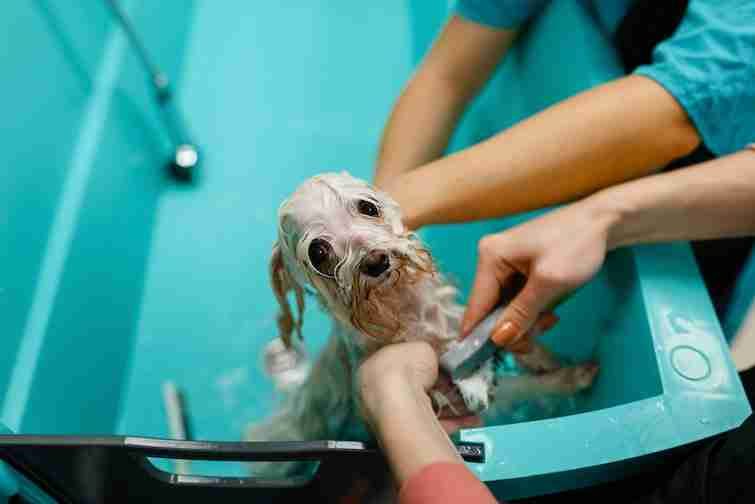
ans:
x=375 y=264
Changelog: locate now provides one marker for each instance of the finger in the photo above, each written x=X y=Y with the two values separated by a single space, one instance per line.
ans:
x=521 y=314
x=521 y=346
x=523 y=343
x=486 y=292
x=485 y=295
x=546 y=321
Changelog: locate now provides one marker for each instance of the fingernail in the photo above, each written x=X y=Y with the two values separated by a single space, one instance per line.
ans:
x=504 y=334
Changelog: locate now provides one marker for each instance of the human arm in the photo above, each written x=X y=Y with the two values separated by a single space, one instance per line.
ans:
x=609 y=134
x=563 y=249
x=697 y=89
x=457 y=66
x=393 y=385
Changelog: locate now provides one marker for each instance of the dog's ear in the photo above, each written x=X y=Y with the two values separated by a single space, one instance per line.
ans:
x=282 y=283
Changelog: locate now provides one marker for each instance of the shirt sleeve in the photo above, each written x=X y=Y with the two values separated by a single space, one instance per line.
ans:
x=499 y=13
x=444 y=483
x=708 y=65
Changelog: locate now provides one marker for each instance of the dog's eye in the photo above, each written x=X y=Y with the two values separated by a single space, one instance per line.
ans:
x=368 y=208
x=321 y=257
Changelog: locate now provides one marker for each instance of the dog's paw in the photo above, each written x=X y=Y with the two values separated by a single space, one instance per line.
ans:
x=584 y=374
x=577 y=378
x=447 y=399
x=475 y=389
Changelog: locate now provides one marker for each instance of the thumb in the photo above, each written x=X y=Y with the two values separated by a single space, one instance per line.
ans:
x=523 y=311
x=486 y=292
x=489 y=279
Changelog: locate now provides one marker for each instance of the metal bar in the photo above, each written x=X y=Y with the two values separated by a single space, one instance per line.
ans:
x=159 y=79
x=176 y=421
x=185 y=152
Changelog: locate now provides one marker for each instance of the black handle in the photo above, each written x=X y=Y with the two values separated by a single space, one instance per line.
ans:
x=94 y=470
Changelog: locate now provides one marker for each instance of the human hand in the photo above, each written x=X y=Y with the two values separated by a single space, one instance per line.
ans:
x=555 y=253
x=403 y=374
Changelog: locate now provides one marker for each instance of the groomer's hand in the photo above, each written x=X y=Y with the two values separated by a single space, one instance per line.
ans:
x=556 y=253
x=403 y=374
x=394 y=384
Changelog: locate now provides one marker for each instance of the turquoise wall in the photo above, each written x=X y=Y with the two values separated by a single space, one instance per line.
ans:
x=82 y=160
x=113 y=278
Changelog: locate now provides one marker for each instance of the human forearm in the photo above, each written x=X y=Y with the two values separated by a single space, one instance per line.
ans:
x=610 y=134
x=711 y=200
x=419 y=127
x=563 y=249
x=457 y=66
x=407 y=428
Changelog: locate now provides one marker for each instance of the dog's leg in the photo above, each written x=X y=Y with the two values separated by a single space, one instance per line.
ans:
x=315 y=410
x=475 y=389
x=567 y=380
x=563 y=382
x=538 y=360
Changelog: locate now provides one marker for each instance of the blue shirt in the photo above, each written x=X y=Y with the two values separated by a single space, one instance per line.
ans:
x=708 y=64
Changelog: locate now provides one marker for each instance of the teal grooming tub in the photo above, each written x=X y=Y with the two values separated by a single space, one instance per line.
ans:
x=117 y=275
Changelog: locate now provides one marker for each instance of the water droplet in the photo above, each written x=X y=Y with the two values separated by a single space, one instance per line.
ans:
x=704 y=421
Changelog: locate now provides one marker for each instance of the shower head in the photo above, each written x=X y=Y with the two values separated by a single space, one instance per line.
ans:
x=185 y=156
x=185 y=161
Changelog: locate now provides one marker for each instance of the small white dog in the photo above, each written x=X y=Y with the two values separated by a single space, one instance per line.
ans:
x=345 y=241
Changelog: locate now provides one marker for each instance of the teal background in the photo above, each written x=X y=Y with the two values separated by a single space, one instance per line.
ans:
x=115 y=277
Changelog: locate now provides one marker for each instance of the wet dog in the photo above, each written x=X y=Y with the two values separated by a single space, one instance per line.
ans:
x=343 y=242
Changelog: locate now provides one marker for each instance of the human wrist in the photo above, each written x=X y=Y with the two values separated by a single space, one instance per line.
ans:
x=411 y=222
x=385 y=173
x=608 y=212
x=395 y=389
x=411 y=212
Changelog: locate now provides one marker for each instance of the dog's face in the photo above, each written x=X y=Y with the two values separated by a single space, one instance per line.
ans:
x=346 y=242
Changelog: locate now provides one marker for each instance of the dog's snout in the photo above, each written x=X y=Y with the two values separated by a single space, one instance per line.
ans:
x=376 y=263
